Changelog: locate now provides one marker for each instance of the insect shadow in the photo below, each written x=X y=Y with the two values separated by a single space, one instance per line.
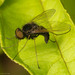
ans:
x=40 y=25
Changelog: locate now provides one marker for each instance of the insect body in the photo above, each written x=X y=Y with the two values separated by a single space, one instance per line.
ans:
x=30 y=31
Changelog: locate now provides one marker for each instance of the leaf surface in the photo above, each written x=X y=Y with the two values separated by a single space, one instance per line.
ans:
x=54 y=58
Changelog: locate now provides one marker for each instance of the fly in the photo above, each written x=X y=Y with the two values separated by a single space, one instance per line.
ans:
x=31 y=31
x=41 y=25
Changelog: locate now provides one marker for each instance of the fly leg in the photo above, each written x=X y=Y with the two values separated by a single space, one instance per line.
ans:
x=36 y=55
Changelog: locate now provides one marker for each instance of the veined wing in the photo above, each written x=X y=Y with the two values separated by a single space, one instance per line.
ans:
x=42 y=19
x=57 y=28
x=53 y=27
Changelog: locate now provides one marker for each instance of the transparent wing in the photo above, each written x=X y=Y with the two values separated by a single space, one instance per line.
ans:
x=57 y=28
x=42 y=19
x=53 y=27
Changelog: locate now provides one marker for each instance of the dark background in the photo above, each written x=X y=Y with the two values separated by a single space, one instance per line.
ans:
x=8 y=67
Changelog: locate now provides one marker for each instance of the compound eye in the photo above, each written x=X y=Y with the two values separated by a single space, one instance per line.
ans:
x=19 y=34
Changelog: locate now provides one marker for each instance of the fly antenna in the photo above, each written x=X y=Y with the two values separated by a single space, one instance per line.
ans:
x=21 y=49
x=36 y=54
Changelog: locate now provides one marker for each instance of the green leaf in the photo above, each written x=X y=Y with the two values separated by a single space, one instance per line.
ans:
x=1 y=51
x=0 y=37
x=54 y=58
x=1 y=2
